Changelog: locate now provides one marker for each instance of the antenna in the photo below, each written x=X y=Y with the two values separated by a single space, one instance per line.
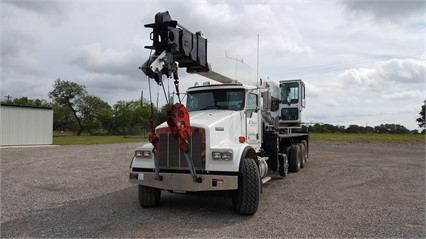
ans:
x=257 y=70
x=236 y=61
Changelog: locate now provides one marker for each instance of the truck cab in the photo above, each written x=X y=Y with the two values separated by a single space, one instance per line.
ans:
x=238 y=102
x=292 y=96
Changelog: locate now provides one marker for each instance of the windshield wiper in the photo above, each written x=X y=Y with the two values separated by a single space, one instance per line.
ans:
x=209 y=107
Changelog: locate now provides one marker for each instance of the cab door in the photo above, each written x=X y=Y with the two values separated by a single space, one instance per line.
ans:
x=253 y=123
x=292 y=101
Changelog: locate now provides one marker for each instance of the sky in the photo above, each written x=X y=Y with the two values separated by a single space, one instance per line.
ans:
x=363 y=62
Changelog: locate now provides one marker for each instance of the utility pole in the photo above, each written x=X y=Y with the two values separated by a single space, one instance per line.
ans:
x=8 y=97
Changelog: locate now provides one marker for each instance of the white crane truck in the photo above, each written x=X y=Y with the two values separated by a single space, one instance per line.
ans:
x=229 y=136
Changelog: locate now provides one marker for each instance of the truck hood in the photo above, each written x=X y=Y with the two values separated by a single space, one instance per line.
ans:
x=210 y=118
x=222 y=126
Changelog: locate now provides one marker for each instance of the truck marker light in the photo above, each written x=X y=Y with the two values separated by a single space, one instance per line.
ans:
x=241 y=139
x=217 y=181
x=133 y=175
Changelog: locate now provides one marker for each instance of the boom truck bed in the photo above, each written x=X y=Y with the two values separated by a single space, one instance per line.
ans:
x=229 y=137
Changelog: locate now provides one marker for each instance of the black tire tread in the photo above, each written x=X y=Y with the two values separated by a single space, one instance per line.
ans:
x=294 y=159
x=283 y=168
x=148 y=197
x=246 y=198
x=302 y=155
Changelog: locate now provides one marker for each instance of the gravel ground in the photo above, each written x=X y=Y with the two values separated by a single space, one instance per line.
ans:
x=346 y=190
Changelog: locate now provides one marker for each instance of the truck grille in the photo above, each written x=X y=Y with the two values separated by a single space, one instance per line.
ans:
x=171 y=157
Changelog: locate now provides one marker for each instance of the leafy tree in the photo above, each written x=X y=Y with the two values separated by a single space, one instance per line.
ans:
x=90 y=108
x=326 y=128
x=122 y=115
x=63 y=118
x=352 y=129
x=69 y=94
x=130 y=117
x=368 y=130
x=106 y=120
x=356 y=129
x=391 y=129
x=421 y=119
x=160 y=115
x=24 y=101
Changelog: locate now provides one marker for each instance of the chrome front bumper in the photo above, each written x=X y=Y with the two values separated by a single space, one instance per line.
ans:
x=184 y=182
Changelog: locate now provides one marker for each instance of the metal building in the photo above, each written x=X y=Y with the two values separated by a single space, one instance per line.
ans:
x=22 y=125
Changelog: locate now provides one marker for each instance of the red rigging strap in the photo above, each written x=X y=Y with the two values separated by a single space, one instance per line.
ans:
x=178 y=122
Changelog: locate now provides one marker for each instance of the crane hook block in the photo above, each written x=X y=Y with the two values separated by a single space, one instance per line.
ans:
x=178 y=121
x=174 y=43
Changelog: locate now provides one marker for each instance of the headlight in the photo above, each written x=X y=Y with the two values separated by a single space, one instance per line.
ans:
x=143 y=153
x=222 y=154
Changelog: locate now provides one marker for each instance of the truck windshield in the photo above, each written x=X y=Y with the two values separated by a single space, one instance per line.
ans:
x=222 y=99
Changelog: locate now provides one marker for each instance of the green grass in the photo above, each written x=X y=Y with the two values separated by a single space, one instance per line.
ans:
x=84 y=139
x=350 y=138
x=368 y=138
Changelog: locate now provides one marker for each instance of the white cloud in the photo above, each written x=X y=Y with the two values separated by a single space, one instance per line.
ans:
x=360 y=65
x=112 y=88
x=387 y=75
x=391 y=10
x=95 y=58
x=404 y=70
x=406 y=95
x=236 y=27
x=53 y=12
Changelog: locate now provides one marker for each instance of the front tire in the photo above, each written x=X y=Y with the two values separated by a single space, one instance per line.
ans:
x=149 y=197
x=283 y=169
x=245 y=200
x=305 y=143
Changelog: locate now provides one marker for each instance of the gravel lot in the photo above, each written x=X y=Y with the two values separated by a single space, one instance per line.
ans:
x=346 y=190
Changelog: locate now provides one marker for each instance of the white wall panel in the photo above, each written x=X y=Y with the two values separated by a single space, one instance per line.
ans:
x=26 y=125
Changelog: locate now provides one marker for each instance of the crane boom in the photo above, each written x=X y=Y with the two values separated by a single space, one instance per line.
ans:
x=174 y=46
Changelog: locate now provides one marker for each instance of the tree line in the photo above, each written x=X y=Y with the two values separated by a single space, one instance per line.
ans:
x=357 y=129
x=77 y=111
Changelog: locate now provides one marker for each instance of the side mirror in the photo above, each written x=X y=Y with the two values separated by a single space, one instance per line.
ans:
x=266 y=98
